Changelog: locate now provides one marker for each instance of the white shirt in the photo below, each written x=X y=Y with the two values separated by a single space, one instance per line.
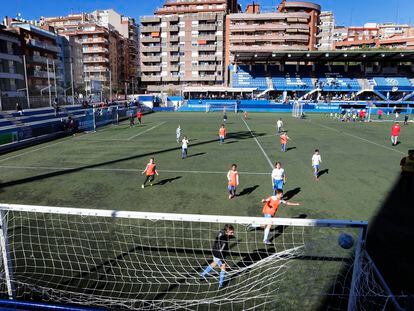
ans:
x=178 y=131
x=277 y=174
x=185 y=143
x=279 y=123
x=316 y=159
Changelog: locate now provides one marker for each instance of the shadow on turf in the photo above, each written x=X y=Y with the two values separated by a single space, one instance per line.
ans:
x=291 y=193
x=238 y=135
x=166 y=181
x=323 y=172
x=389 y=237
x=291 y=148
x=247 y=191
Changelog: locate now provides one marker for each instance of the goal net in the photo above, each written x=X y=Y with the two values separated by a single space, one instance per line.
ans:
x=297 y=109
x=400 y=114
x=152 y=261
x=221 y=106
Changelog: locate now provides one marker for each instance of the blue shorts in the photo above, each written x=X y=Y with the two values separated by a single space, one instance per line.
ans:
x=267 y=216
x=232 y=188
x=218 y=261
x=316 y=167
x=278 y=184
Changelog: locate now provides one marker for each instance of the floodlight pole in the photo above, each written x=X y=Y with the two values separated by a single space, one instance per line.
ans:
x=48 y=83
x=25 y=79
x=71 y=77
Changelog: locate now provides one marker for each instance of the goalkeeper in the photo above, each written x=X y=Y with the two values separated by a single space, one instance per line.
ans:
x=220 y=251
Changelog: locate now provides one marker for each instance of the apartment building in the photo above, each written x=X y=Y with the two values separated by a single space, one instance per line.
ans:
x=372 y=35
x=41 y=50
x=129 y=42
x=293 y=27
x=11 y=64
x=183 y=44
x=110 y=47
x=326 y=31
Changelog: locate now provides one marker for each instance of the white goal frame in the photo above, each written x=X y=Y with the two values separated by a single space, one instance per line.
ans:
x=297 y=109
x=154 y=217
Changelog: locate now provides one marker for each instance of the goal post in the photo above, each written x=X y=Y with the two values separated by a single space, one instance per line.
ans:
x=153 y=261
x=218 y=106
x=297 y=109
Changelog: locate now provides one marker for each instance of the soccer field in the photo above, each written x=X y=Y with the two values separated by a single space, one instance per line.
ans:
x=102 y=170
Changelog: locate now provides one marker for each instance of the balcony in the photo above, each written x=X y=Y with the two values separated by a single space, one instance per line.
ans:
x=207 y=47
x=96 y=78
x=150 y=19
x=171 y=78
x=94 y=40
x=151 y=59
x=173 y=28
x=95 y=60
x=207 y=68
x=151 y=78
x=96 y=69
x=43 y=45
x=6 y=56
x=42 y=59
x=150 y=40
x=96 y=50
x=174 y=68
x=207 y=27
x=42 y=74
x=207 y=57
x=150 y=49
x=209 y=37
x=147 y=29
x=173 y=59
x=207 y=78
x=9 y=75
x=173 y=48
x=174 y=38
x=150 y=68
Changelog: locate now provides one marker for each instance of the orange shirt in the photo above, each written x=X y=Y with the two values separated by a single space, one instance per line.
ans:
x=271 y=205
x=283 y=139
x=150 y=169
x=222 y=132
x=395 y=130
x=233 y=177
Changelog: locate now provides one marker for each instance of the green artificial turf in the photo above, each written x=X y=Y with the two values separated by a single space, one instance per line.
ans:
x=102 y=170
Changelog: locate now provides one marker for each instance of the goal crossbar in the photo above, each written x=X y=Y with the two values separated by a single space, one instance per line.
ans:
x=243 y=220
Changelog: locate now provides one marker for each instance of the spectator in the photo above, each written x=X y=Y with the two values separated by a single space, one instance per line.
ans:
x=19 y=108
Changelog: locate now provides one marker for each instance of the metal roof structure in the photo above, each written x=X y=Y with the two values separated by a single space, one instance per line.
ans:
x=254 y=56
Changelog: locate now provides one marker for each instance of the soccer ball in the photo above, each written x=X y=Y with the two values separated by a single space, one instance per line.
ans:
x=345 y=240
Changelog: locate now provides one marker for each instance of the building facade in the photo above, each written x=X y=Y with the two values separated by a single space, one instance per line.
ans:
x=40 y=47
x=183 y=44
x=326 y=31
x=11 y=69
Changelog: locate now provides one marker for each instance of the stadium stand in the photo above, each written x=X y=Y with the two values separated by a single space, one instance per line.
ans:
x=391 y=84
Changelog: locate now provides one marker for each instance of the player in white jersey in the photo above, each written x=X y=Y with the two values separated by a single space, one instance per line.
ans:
x=279 y=125
x=316 y=162
x=278 y=177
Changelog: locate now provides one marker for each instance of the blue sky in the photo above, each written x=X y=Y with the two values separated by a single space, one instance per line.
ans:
x=347 y=12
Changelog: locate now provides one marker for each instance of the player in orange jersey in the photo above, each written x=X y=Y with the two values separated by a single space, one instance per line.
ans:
x=283 y=141
x=222 y=133
x=270 y=207
x=233 y=181
x=150 y=171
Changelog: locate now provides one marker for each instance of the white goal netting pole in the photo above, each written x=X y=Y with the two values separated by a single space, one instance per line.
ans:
x=153 y=261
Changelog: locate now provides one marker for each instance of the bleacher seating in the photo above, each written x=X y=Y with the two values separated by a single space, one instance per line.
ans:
x=392 y=84
x=338 y=83
x=255 y=78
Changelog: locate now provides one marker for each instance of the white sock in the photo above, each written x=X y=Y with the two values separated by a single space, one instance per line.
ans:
x=266 y=234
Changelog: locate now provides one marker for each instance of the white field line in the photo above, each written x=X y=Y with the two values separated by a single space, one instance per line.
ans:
x=260 y=146
x=150 y=129
x=31 y=151
x=357 y=137
x=51 y=168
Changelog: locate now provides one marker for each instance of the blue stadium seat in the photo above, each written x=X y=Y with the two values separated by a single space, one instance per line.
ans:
x=392 y=84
